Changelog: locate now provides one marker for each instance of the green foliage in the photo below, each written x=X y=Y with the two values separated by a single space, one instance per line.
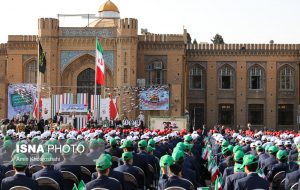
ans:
x=218 y=39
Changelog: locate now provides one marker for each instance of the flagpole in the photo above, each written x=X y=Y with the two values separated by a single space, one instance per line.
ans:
x=96 y=110
x=37 y=85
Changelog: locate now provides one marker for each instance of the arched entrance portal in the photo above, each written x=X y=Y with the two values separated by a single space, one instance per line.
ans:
x=86 y=82
x=79 y=76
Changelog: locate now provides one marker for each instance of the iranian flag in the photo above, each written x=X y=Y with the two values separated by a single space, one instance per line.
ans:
x=112 y=109
x=210 y=165
x=214 y=172
x=261 y=174
x=99 y=64
x=205 y=153
x=37 y=111
x=218 y=183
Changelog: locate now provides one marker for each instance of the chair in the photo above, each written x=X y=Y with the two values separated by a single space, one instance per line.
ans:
x=191 y=184
x=115 y=160
x=101 y=188
x=35 y=168
x=277 y=179
x=47 y=182
x=157 y=170
x=69 y=179
x=19 y=188
x=175 y=188
x=130 y=179
x=295 y=186
x=141 y=172
x=282 y=184
x=152 y=175
x=85 y=174
x=10 y=173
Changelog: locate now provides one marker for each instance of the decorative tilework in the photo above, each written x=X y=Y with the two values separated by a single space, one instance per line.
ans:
x=67 y=57
x=77 y=32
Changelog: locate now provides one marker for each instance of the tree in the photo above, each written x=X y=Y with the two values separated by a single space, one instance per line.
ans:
x=218 y=39
x=189 y=39
x=195 y=41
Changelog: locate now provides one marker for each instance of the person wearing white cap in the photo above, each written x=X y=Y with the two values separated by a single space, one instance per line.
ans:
x=280 y=144
x=247 y=147
x=79 y=137
x=262 y=155
x=125 y=123
x=293 y=155
x=158 y=152
x=253 y=148
x=61 y=137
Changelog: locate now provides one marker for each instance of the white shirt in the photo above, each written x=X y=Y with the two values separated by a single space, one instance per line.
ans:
x=137 y=123
x=125 y=122
x=142 y=118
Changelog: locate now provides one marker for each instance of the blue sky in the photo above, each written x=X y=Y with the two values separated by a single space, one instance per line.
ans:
x=238 y=21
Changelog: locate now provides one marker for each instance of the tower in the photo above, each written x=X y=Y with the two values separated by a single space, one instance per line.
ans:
x=127 y=42
x=48 y=33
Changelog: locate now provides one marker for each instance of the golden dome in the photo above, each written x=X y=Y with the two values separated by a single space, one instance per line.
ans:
x=108 y=6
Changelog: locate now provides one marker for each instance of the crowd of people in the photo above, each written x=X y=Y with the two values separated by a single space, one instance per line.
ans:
x=136 y=158
x=30 y=123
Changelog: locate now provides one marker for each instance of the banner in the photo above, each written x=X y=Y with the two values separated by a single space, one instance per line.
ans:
x=104 y=109
x=46 y=108
x=154 y=99
x=70 y=108
x=176 y=124
x=21 y=98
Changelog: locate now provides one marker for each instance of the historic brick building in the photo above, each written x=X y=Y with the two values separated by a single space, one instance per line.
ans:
x=232 y=84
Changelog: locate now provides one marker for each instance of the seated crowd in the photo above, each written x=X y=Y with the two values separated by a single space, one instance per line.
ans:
x=144 y=159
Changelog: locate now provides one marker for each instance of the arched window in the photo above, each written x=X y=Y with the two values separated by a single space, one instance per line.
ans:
x=156 y=73
x=287 y=78
x=196 y=77
x=226 y=74
x=256 y=74
x=125 y=57
x=31 y=72
x=86 y=82
x=125 y=75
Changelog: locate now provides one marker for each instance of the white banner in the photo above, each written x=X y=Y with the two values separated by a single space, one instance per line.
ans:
x=70 y=108
x=46 y=108
x=104 y=111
